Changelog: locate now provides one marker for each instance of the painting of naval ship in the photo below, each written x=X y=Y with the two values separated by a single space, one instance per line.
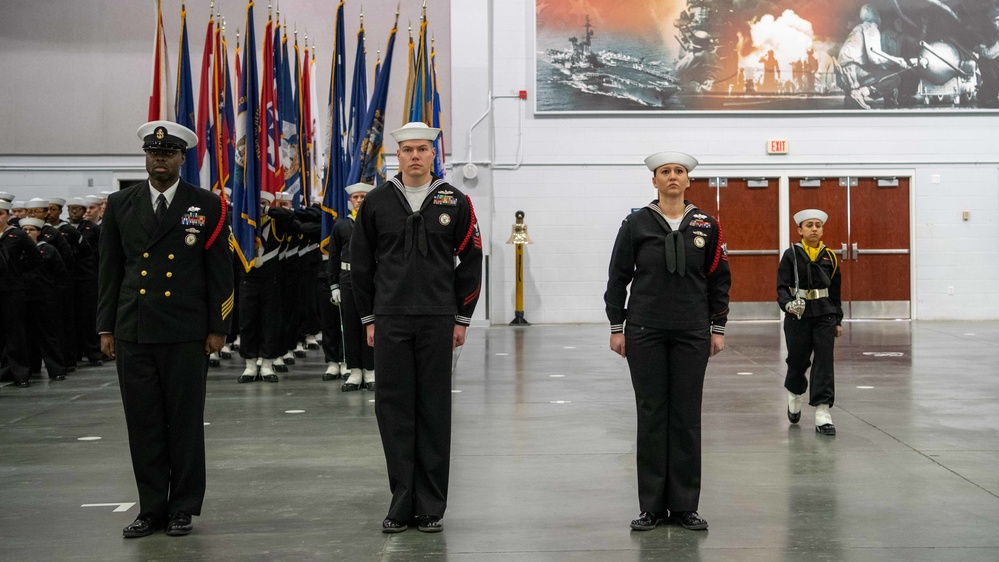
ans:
x=616 y=79
x=597 y=56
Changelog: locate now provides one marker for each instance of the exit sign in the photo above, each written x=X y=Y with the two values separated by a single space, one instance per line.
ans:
x=777 y=147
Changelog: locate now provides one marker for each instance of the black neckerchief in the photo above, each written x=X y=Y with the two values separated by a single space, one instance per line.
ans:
x=676 y=253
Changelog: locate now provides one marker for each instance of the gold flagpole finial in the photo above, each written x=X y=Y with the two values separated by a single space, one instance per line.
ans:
x=424 y=16
x=269 y=10
x=397 y=8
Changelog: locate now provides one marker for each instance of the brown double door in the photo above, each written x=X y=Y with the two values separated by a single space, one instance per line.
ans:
x=868 y=228
x=748 y=212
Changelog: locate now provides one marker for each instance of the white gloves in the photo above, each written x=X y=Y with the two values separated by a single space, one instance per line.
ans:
x=335 y=296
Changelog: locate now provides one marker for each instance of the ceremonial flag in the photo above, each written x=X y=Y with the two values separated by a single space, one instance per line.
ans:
x=246 y=180
x=368 y=161
x=334 y=197
x=304 y=117
x=226 y=120
x=160 y=107
x=271 y=175
x=424 y=92
x=184 y=102
x=288 y=111
x=358 y=97
x=316 y=128
x=206 y=111
x=239 y=67
x=435 y=116
x=407 y=107
x=419 y=108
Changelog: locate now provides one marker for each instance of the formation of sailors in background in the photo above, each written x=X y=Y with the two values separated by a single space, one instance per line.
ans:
x=290 y=301
x=48 y=277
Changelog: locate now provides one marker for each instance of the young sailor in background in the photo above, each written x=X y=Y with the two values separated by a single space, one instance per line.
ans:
x=808 y=290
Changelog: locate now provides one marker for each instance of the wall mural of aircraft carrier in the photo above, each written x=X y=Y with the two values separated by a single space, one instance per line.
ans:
x=766 y=55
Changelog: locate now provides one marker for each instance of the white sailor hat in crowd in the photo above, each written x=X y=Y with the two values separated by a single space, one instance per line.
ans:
x=17 y=205
x=93 y=200
x=267 y=196
x=37 y=223
x=284 y=196
x=57 y=201
x=4 y=196
x=415 y=130
x=802 y=216
x=76 y=201
x=6 y=205
x=37 y=203
x=166 y=135
x=228 y=192
x=358 y=188
x=104 y=194
x=658 y=159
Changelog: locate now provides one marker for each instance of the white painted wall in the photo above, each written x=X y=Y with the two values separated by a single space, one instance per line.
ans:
x=581 y=175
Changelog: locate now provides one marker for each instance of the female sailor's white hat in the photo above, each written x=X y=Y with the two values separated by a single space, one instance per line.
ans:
x=671 y=157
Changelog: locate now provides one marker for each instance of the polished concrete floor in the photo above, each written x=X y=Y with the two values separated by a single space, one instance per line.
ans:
x=543 y=465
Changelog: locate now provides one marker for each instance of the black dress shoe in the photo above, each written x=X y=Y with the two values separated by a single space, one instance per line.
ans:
x=349 y=386
x=330 y=377
x=179 y=525
x=225 y=354
x=393 y=526
x=370 y=386
x=214 y=363
x=246 y=378
x=22 y=384
x=689 y=520
x=290 y=360
x=793 y=418
x=430 y=523
x=271 y=378
x=300 y=353
x=59 y=377
x=827 y=429
x=143 y=526
x=71 y=369
x=647 y=521
x=280 y=368
x=96 y=362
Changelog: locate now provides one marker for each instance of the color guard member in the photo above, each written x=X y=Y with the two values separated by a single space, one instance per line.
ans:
x=808 y=291
x=358 y=355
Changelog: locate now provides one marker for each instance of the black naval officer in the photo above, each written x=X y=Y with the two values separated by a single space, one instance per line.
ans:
x=165 y=298
x=403 y=247
x=671 y=254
